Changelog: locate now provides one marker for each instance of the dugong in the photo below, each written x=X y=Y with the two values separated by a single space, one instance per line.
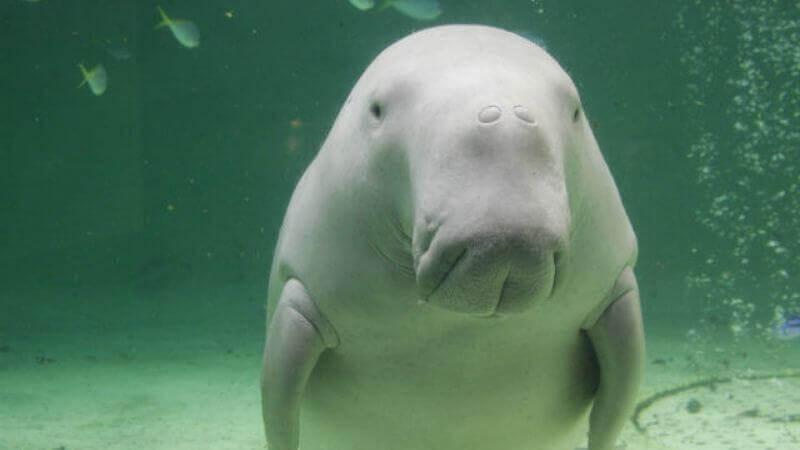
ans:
x=455 y=267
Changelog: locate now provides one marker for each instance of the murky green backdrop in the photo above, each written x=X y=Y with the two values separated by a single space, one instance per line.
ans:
x=177 y=177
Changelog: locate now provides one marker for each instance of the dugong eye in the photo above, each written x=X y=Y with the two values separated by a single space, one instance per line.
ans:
x=577 y=114
x=376 y=110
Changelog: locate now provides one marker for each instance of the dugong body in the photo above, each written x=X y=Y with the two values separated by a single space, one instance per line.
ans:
x=455 y=268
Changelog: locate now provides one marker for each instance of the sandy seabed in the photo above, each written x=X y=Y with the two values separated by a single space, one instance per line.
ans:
x=162 y=385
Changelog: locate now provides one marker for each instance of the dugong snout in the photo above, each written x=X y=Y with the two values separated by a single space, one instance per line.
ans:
x=491 y=216
x=487 y=266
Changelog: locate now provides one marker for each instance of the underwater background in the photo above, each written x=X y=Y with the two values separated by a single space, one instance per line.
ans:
x=139 y=210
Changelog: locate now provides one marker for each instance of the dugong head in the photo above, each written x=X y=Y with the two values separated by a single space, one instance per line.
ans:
x=473 y=126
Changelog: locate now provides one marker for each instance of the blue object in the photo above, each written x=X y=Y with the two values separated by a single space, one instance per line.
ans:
x=788 y=329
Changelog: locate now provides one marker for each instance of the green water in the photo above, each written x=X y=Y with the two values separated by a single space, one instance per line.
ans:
x=138 y=225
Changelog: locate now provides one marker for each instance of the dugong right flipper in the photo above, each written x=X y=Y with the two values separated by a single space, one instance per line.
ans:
x=618 y=340
x=297 y=335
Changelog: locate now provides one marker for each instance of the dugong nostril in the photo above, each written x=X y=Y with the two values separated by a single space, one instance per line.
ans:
x=490 y=114
x=524 y=115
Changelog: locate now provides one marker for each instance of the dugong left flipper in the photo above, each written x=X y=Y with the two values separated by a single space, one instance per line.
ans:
x=618 y=340
x=297 y=336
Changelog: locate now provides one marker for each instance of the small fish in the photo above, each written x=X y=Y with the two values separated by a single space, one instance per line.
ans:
x=788 y=329
x=119 y=51
x=416 y=9
x=185 y=31
x=363 y=5
x=96 y=78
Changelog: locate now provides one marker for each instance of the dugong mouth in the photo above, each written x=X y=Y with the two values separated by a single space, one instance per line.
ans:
x=470 y=283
